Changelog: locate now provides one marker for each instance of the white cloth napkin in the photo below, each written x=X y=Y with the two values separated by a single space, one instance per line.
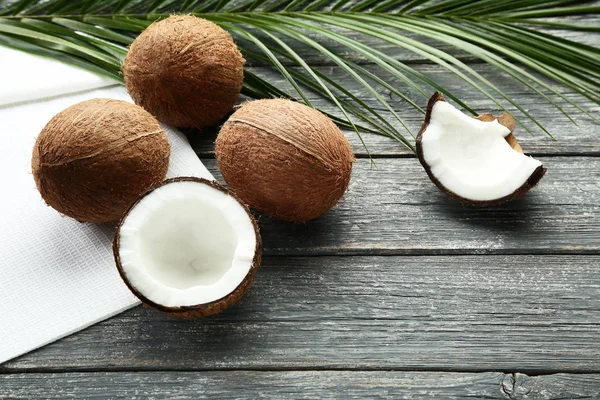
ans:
x=57 y=276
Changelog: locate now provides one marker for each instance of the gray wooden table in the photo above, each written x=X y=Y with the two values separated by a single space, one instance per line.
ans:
x=398 y=292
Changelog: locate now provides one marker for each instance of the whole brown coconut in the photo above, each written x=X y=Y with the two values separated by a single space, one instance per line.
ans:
x=93 y=159
x=185 y=70
x=284 y=159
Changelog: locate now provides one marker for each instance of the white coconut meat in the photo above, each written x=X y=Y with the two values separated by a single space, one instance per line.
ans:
x=186 y=243
x=472 y=158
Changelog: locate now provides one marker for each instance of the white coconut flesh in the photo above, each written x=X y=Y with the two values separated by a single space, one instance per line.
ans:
x=186 y=243
x=472 y=158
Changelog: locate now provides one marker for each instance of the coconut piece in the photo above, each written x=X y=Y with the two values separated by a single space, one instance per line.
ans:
x=93 y=159
x=284 y=159
x=185 y=70
x=474 y=160
x=188 y=247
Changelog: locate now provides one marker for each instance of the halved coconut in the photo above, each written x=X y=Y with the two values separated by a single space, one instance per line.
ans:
x=188 y=247
x=474 y=160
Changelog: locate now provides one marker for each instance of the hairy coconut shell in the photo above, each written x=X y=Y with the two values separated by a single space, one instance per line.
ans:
x=284 y=159
x=199 y=310
x=185 y=70
x=505 y=119
x=93 y=159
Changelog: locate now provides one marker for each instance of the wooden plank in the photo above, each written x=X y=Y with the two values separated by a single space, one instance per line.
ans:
x=533 y=314
x=559 y=386
x=393 y=208
x=583 y=139
x=299 y=385
x=254 y=384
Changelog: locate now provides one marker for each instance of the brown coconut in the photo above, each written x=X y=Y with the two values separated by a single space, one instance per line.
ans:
x=284 y=159
x=93 y=159
x=185 y=70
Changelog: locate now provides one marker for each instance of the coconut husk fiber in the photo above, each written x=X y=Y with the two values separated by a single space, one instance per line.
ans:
x=284 y=159
x=93 y=159
x=185 y=70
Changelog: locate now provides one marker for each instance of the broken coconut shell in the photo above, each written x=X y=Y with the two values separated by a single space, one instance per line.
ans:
x=505 y=120
x=508 y=121
x=284 y=159
x=225 y=202
x=185 y=70
x=93 y=159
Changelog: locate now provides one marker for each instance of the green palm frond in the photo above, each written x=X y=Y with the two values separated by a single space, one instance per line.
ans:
x=94 y=34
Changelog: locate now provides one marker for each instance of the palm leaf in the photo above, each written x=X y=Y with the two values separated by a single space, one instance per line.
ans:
x=94 y=34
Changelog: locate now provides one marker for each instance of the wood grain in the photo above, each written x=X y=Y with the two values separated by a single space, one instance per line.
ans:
x=393 y=208
x=253 y=385
x=535 y=314
x=558 y=386
x=300 y=385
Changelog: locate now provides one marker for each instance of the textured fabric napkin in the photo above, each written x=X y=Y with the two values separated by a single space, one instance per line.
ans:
x=57 y=276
